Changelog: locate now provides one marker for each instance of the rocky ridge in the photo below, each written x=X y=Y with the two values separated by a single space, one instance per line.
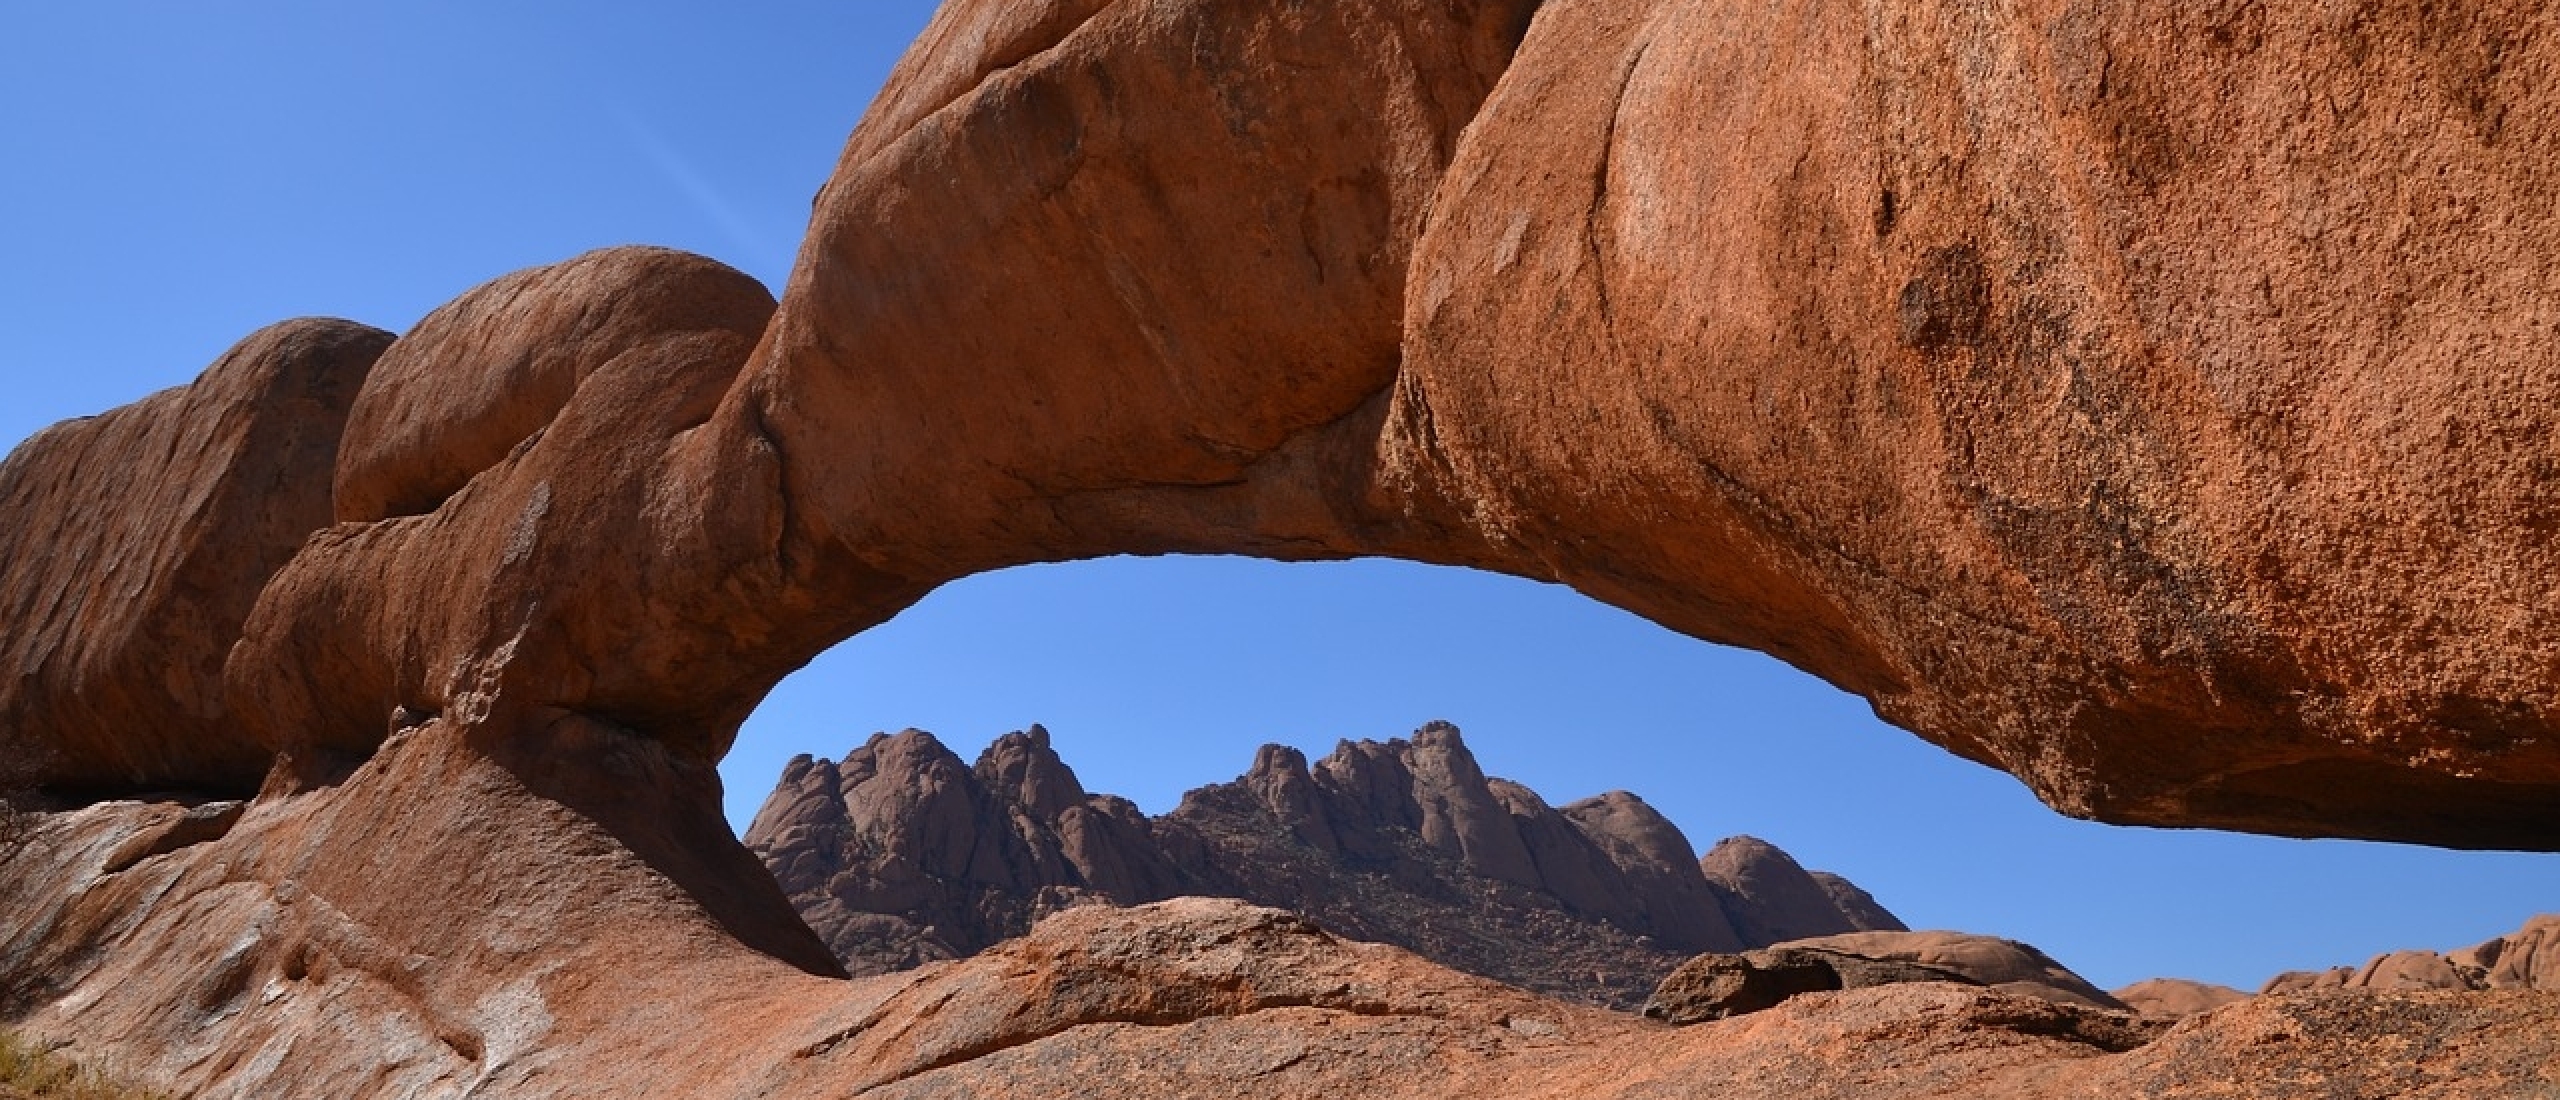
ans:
x=1192 y=997
x=2176 y=996
x=137 y=542
x=899 y=855
x=2528 y=958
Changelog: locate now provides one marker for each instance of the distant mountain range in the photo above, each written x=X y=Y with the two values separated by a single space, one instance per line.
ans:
x=900 y=854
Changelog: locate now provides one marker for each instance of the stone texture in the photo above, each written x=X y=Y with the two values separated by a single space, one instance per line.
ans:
x=2528 y=958
x=2005 y=965
x=1210 y=342
x=134 y=544
x=1858 y=907
x=490 y=369
x=2147 y=404
x=2176 y=996
x=638 y=521
x=1193 y=219
x=712 y=515
x=1716 y=986
x=443 y=918
x=246 y=965
x=1775 y=900
x=899 y=855
x=2151 y=403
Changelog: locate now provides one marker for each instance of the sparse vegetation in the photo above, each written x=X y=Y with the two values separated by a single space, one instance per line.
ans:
x=29 y=1070
x=15 y=821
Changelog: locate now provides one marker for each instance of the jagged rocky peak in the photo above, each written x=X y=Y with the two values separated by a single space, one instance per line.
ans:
x=899 y=854
x=1022 y=768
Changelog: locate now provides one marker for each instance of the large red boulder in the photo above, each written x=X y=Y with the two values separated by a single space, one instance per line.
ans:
x=2153 y=403
x=132 y=545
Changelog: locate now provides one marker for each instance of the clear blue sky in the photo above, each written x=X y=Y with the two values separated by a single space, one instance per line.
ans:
x=176 y=175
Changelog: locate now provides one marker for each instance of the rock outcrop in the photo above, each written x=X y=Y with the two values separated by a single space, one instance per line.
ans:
x=1715 y=986
x=132 y=546
x=1719 y=986
x=2046 y=410
x=620 y=980
x=2150 y=406
x=2528 y=958
x=500 y=605
x=2005 y=965
x=899 y=854
x=1857 y=907
x=2155 y=404
x=2176 y=997
x=2222 y=494
x=1774 y=900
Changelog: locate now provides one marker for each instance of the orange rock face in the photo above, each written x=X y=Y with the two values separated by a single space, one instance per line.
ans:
x=2527 y=959
x=623 y=511
x=491 y=369
x=2177 y=996
x=573 y=950
x=1953 y=360
x=133 y=544
x=2153 y=405
x=2156 y=404
x=1198 y=325
x=1146 y=259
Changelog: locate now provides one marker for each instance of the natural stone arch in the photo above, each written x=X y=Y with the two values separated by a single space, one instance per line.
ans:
x=1032 y=324
x=1777 y=347
x=1722 y=313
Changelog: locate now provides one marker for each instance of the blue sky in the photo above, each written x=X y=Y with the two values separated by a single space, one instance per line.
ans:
x=174 y=176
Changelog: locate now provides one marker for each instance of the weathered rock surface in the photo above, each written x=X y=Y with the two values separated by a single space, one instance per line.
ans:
x=1720 y=986
x=249 y=965
x=2529 y=958
x=1715 y=986
x=1193 y=220
x=1858 y=907
x=2005 y=965
x=2154 y=407
x=2223 y=493
x=490 y=369
x=711 y=518
x=2228 y=524
x=442 y=919
x=132 y=545
x=2177 y=996
x=617 y=561
x=1772 y=899
x=2154 y=404
x=900 y=854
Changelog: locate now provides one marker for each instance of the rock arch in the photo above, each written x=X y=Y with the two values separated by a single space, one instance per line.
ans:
x=1952 y=364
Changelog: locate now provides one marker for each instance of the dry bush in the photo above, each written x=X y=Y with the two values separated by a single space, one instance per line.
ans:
x=15 y=821
x=17 y=818
x=32 y=1070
